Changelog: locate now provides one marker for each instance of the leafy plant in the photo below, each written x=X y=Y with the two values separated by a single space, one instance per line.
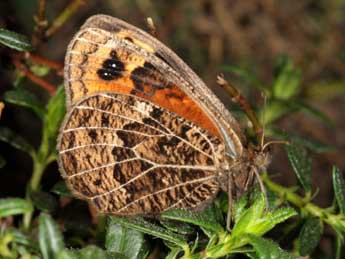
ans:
x=51 y=224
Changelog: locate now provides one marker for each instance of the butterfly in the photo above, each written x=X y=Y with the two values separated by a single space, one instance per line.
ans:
x=143 y=133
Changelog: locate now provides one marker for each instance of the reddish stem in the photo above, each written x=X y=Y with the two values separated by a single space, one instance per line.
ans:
x=46 y=62
x=39 y=81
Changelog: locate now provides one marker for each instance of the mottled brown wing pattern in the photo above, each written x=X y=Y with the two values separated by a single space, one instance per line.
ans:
x=126 y=155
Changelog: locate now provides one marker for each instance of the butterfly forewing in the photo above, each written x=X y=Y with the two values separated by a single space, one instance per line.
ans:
x=127 y=155
x=99 y=61
x=188 y=81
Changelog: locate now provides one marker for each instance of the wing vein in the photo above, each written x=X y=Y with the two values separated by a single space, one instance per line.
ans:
x=170 y=132
x=166 y=189
x=113 y=129
x=89 y=145
x=127 y=118
x=101 y=167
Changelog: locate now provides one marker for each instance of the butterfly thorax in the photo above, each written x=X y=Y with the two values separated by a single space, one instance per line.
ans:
x=240 y=172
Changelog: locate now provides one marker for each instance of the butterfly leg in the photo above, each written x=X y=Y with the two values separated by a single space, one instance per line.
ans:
x=261 y=184
x=230 y=204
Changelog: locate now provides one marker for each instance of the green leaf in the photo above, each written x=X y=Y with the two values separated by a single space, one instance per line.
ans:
x=178 y=227
x=52 y=121
x=309 y=236
x=323 y=90
x=195 y=243
x=255 y=220
x=240 y=207
x=309 y=110
x=5 y=243
x=267 y=249
x=146 y=227
x=49 y=236
x=94 y=252
x=339 y=188
x=287 y=80
x=2 y=162
x=55 y=112
x=44 y=201
x=209 y=218
x=301 y=165
x=24 y=98
x=39 y=70
x=270 y=220
x=274 y=110
x=14 y=206
x=61 y=189
x=174 y=252
x=249 y=217
x=280 y=62
x=338 y=246
x=24 y=239
x=18 y=142
x=66 y=254
x=14 y=40
x=126 y=241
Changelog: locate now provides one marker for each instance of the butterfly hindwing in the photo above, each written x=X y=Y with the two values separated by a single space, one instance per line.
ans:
x=127 y=155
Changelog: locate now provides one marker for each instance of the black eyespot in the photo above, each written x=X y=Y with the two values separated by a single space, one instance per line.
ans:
x=111 y=68
x=104 y=74
x=113 y=65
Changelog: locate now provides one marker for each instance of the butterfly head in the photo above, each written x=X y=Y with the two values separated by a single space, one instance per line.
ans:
x=259 y=157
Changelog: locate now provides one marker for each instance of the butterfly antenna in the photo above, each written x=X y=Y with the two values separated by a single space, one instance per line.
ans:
x=263 y=118
x=284 y=142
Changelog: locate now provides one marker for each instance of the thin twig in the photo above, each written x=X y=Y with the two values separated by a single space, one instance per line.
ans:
x=58 y=67
x=2 y=106
x=41 y=23
x=39 y=81
x=238 y=98
x=44 y=61
x=151 y=26
x=67 y=13
x=303 y=203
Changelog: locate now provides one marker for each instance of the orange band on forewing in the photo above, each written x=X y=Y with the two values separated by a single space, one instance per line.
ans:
x=96 y=67
x=173 y=99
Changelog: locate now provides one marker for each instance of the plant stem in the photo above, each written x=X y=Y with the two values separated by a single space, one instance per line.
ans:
x=38 y=170
x=41 y=23
x=244 y=104
x=39 y=81
x=37 y=174
x=283 y=192
x=302 y=203
x=64 y=16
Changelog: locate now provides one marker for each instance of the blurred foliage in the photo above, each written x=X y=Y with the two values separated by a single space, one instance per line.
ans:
x=46 y=222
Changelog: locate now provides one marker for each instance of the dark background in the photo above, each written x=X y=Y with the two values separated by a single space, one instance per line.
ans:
x=208 y=34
